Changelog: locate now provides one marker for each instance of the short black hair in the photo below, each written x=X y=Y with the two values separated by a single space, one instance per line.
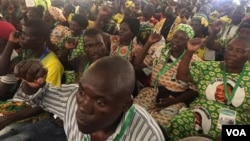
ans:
x=39 y=10
x=38 y=27
x=92 y=32
x=81 y=20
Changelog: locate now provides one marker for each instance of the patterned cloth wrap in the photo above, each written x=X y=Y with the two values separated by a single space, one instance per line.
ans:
x=187 y=29
x=201 y=18
x=56 y=13
x=208 y=76
x=146 y=28
x=7 y=107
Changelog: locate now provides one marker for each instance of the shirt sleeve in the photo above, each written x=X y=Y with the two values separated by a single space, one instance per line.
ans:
x=55 y=99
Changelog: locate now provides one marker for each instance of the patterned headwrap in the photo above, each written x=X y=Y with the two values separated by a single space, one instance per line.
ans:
x=56 y=13
x=129 y=4
x=201 y=18
x=187 y=29
x=5 y=29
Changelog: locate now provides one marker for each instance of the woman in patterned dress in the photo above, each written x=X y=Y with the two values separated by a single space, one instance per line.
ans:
x=166 y=96
x=125 y=43
x=228 y=80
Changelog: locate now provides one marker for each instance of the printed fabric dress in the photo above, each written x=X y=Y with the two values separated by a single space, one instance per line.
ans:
x=211 y=109
x=128 y=52
x=147 y=96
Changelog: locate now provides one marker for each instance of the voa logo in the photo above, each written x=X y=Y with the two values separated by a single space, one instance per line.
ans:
x=236 y=132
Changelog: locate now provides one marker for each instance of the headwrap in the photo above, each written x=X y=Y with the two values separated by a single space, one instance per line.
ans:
x=129 y=4
x=201 y=18
x=56 y=13
x=187 y=29
x=5 y=29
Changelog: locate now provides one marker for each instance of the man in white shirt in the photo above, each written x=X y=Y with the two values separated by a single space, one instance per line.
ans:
x=100 y=107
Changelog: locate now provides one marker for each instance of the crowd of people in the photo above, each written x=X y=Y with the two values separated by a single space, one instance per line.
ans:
x=123 y=70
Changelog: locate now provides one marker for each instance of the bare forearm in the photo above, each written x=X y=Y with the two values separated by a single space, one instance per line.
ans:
x=5 y=58
x=211 y=42
x=187 y=97
x=25 y=113
x=183 y=73
x=140 y=57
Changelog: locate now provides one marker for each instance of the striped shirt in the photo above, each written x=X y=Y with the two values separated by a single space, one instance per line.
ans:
x=61 y=101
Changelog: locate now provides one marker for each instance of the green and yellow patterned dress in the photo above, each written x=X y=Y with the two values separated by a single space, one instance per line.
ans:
x=208 y=76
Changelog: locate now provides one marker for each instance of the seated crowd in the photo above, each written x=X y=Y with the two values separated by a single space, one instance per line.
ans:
x=123 y=70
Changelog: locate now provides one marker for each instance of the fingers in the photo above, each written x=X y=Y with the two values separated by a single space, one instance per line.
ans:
x=17 y=69
x=196 y=41
x=31 y=71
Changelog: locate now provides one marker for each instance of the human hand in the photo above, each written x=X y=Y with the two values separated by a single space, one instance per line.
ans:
x=14 y=36
x=31 y=72
x=194 y=44
x=216 y=27
x=58 y=121
x=154 y=37
x=164 y=102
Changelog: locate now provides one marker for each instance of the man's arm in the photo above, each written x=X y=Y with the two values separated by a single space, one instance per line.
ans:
x=5 y=62
x=211 y=42
x=25 y=113
x=33 y=75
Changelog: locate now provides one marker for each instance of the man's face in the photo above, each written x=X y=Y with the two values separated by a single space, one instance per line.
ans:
x=98 y=108
x=27 y=39
x=75 y=28
x=94 y=47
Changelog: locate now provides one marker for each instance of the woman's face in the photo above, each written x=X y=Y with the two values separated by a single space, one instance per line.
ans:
x=125 y=32
x=236 y=54
x=179 y=41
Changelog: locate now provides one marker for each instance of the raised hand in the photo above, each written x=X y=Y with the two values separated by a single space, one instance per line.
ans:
x=153 y=38
x=14 y=36
x=216 y=27
x=31 y=72
x=194 y=44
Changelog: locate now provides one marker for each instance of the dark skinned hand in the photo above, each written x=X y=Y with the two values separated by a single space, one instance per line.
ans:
x=31 y=72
